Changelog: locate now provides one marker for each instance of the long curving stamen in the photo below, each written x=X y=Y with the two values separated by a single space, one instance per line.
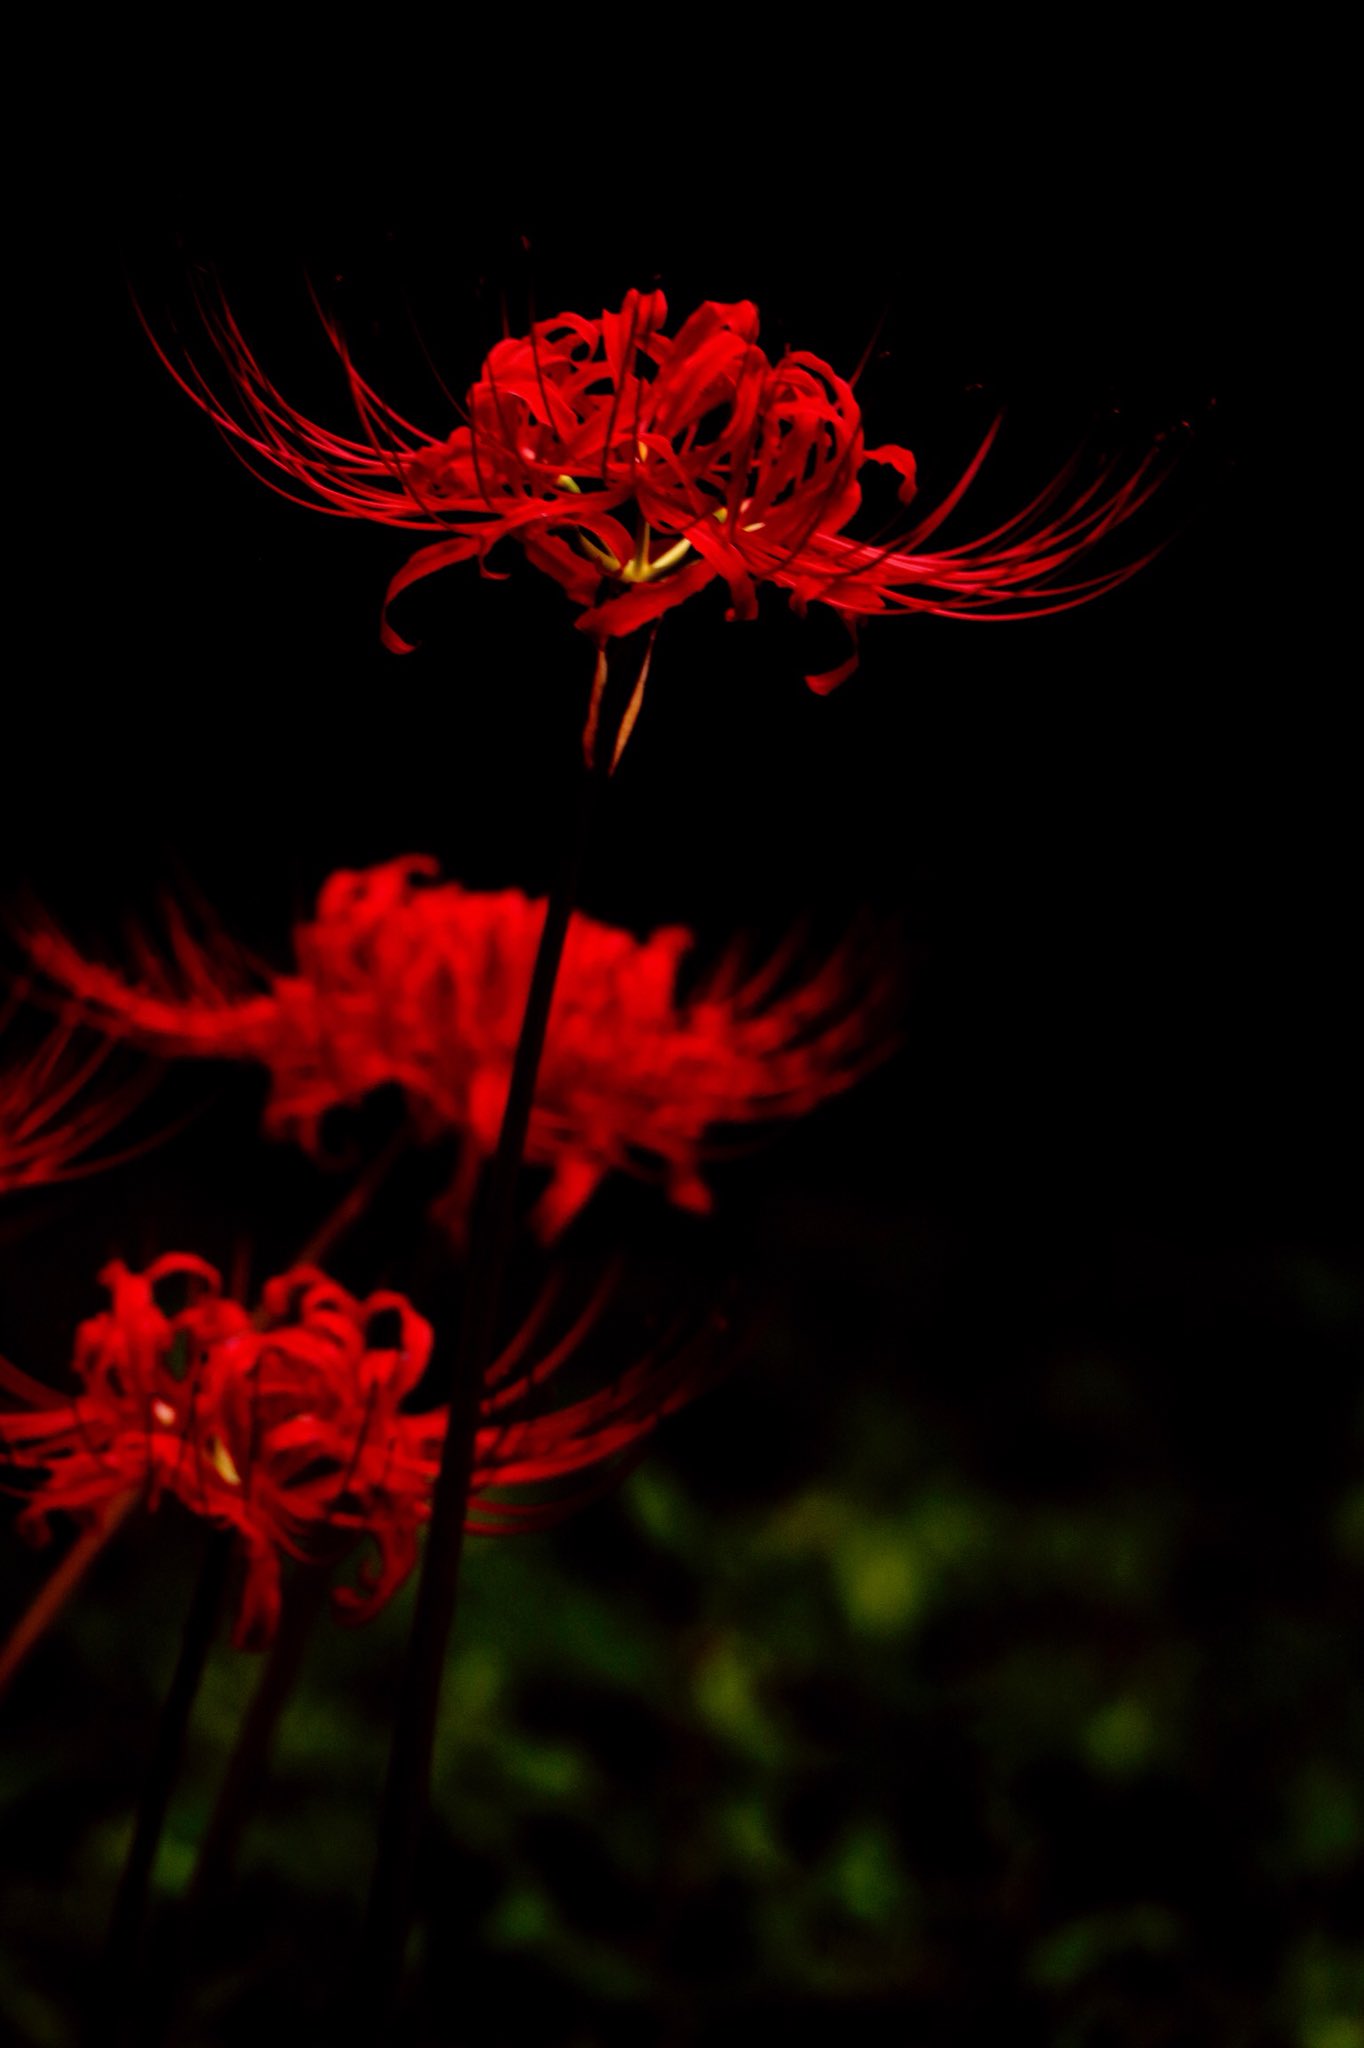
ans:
x=627 y=358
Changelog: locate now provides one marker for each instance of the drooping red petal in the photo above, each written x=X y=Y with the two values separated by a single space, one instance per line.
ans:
x=900 y=460
x=640 y=604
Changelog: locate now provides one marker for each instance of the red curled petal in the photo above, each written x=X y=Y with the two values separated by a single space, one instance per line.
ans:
x=830 y=678
x=641 y=603
x=442 y=554
x=901 y=460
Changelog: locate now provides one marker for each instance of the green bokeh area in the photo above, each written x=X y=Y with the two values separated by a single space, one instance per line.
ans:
x=918 y=1687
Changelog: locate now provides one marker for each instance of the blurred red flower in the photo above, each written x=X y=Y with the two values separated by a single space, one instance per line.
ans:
x=636 y=467
x=289 y=1428
x=424 y=986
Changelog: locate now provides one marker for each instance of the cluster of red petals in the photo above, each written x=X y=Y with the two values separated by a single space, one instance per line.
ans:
x=403 y=982
x=54 y=1110
x=288 y=1426
x=280 y=1427
x=636 y=467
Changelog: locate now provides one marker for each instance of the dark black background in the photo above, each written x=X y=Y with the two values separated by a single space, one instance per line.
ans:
x=1120 y=836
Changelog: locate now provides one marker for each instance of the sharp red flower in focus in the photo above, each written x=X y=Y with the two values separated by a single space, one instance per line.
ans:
x=635 y=467
x=402 y=981
x=277 y=1428
x=289 y=1427
x=53 y=1111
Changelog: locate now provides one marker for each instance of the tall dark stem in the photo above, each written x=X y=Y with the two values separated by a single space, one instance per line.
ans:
x=110 y=2014
x=407 y=1786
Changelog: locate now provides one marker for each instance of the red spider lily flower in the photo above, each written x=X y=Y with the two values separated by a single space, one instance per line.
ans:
x=52 y=1112
x=289 y=1427
x=424 y=986
x=635 y=467
x=278 y=1427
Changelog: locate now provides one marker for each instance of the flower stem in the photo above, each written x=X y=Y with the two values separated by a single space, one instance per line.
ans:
x=250 y=1756
x=125 y=1927
x=407 y=1786
x=237 y=1796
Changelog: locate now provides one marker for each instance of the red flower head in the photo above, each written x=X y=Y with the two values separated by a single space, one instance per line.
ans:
x=424 y=986
x=289 y=1427
x=635 y=467
x=279 y=1427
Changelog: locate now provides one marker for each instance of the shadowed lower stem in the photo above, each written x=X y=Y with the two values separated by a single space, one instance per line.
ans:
x=238 y=1793
x=111 y=2013
x=250 y=1756
x=408 y=1783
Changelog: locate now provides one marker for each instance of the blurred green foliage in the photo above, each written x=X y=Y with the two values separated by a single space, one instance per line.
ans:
x=907 y=1689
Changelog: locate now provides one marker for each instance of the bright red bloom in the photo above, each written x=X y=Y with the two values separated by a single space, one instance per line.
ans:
x=424 y=986
x=278 y=1427
x=289 y=1426
x=636 y=467
x=52 y=1114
